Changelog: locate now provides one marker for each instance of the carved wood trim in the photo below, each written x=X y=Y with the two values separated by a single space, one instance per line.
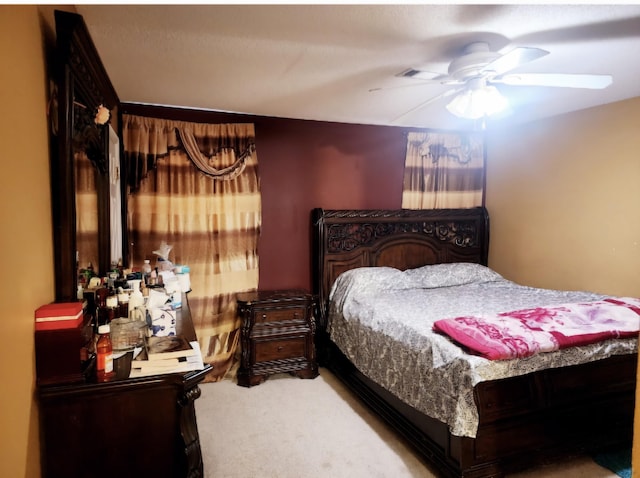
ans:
x=189 y=432
x=82 y=85
x=403 y=238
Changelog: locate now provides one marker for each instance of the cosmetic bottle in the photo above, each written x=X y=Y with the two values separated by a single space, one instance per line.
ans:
x=136 y=299
x=146 y=271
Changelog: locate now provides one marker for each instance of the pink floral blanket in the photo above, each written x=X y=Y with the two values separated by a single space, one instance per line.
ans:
x=526 y=332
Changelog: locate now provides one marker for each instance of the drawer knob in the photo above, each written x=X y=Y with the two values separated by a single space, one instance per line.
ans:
x=280 y=347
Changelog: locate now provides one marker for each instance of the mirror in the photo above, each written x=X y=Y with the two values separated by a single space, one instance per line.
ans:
x=87 y=212
x=80 y=166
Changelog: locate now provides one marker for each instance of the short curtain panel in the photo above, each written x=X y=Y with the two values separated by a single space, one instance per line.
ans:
x=211 y=219
x=443 y=170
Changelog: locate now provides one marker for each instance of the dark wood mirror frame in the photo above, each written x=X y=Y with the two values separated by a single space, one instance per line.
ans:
x=79 y=74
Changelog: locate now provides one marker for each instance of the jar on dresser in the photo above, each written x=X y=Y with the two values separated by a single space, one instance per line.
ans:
x=277 y=335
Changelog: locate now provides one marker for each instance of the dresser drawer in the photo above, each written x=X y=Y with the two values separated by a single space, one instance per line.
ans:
x=278 y=349
x=292 y=314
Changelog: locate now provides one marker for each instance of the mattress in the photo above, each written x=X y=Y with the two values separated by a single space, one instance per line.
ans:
x=382 y=319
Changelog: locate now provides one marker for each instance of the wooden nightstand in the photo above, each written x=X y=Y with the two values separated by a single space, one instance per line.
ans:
x=277 y=335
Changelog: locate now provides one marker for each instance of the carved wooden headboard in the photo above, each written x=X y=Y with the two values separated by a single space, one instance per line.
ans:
x=403 y=238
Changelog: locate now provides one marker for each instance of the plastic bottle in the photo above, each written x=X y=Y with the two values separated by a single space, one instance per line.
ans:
x=104 y=354
x=136 y=299
x=146 y=271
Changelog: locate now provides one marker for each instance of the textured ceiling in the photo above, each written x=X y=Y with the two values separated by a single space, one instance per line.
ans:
x=319 y=62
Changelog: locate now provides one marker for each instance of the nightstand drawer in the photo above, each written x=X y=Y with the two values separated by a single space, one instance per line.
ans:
x=290 y=314
x=290 y=347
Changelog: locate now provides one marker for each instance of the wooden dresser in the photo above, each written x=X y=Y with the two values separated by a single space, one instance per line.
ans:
x=126 y=427
x=277 y=335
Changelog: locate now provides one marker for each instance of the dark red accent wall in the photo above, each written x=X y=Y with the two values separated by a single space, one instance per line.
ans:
x=304 y=165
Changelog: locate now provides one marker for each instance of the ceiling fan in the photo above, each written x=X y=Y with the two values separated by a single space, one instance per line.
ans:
x=474 y=73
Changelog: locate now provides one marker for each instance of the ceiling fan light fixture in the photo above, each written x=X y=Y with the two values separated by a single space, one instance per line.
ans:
x=476 y=103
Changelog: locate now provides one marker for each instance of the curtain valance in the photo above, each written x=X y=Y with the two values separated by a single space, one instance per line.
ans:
x=217 y=150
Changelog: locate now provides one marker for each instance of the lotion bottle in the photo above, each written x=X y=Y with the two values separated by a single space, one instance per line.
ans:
x=136 y=299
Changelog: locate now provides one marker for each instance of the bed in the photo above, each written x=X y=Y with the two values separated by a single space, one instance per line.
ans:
x=541 y=410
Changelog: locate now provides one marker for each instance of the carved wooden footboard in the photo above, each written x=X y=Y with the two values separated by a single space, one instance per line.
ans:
x=524 y=420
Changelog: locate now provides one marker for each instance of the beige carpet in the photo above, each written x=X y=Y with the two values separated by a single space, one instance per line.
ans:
x=293 y=428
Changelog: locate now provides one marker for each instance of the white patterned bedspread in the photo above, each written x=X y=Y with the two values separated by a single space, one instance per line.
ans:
x=382 y=319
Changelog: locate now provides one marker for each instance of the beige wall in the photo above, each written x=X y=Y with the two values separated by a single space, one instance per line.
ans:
x=564 y=204
x=25 y=241
x=564 y=201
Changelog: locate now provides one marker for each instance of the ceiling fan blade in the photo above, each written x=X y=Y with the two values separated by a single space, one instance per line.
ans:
x=594 y=82
x=433 y=99
x=626 y=27
x=513 y=59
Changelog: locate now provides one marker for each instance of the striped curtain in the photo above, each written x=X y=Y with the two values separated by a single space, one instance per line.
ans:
x=443 y=170
x=207 y=209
